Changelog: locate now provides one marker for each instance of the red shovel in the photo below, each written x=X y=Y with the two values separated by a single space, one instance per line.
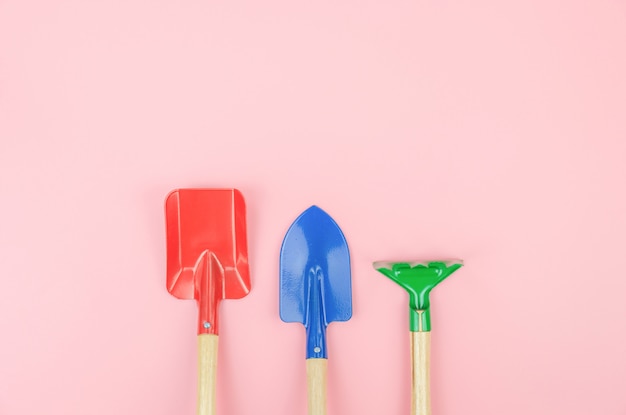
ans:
x=207 y=260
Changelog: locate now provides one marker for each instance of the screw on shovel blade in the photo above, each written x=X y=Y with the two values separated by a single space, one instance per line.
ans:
x=418 y=279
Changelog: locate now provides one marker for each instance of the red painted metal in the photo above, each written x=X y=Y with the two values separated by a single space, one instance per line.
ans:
x=207 y=255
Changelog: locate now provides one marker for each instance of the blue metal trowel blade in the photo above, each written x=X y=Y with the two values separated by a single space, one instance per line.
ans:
x=315 y=285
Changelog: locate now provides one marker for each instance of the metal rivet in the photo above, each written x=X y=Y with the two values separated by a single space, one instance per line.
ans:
x=207 y=325
x=317 y=349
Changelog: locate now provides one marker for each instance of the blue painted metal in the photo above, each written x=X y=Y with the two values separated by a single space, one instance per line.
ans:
x=315 y=284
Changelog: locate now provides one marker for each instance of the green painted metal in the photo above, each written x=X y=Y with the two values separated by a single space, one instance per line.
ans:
x=418 y=279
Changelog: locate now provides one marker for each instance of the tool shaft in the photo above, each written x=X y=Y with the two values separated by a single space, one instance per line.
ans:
x=316 y=384
x=420 y=373
x=207 y=373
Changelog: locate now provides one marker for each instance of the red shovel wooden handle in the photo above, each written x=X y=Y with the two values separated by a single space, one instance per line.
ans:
x=207 y=373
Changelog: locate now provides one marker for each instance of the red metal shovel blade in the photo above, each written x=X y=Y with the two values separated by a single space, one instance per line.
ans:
x=207 y=256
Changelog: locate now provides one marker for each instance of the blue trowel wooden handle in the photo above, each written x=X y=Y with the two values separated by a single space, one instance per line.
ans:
x=316 y=385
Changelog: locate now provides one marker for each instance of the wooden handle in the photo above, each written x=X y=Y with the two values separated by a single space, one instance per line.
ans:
x=420 y=373
x=207 y=373
x=316 y=384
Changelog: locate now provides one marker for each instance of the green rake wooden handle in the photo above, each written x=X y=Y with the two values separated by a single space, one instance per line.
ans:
x=420 y=373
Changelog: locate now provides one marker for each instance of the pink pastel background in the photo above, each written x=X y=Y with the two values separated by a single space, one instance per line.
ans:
x=492 y=131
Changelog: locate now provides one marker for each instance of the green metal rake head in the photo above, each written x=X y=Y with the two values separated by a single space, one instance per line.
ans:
x=418 y=279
